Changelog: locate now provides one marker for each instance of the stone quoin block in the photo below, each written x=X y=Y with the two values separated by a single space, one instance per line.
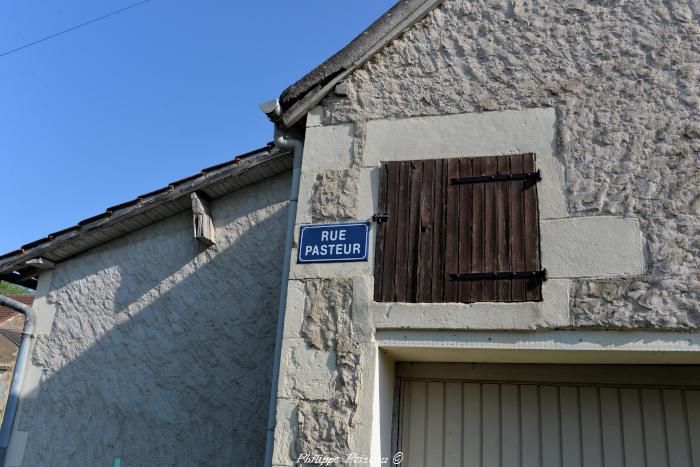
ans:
x=592 y=247
x=328 y=148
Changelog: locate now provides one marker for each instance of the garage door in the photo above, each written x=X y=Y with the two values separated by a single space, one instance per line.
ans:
x=548 y=415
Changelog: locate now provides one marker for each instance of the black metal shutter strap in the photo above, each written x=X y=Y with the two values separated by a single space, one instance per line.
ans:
x=480 y=276
x=536 y=176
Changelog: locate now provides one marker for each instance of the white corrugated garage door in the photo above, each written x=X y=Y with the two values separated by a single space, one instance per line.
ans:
x=548 y=415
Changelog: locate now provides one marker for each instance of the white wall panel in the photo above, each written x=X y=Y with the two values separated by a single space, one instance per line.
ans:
x=452 y=423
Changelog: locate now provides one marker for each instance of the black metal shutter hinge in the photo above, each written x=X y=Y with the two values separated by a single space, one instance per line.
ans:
x=380 y=217
x=480 y=276
x=532 y=176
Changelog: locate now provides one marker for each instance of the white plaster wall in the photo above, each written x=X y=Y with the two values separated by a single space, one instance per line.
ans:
x=623 y=78
x=160 y=352
x=383 y=407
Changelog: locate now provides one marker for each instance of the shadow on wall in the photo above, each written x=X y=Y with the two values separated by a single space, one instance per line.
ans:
x=161 y=351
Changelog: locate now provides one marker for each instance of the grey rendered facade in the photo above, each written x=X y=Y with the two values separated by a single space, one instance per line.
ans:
x=155 y=349
x=161 y=349
x=606 y=95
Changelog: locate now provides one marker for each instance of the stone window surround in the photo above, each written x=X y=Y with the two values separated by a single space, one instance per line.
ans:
x=572 y=247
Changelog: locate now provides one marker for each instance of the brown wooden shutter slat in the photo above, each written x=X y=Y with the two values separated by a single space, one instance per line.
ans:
x=379 y=254
x=413 y=230
x=517 y=227
x=503 y=231
x=404 y=205
x=438 y=277
x=490 y=168
x=452 y=230
x=532 y=240
x=424 y=253
x=477 y=230
x=389 y=261
x=465 y=229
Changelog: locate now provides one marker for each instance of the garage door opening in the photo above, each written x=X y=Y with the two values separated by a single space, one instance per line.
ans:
x=459 y=415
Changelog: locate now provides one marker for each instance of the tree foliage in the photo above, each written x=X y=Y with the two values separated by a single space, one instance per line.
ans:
x=11 y=289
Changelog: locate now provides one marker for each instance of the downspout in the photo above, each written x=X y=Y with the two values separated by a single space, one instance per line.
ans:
x=18 y=373
x=283 y=140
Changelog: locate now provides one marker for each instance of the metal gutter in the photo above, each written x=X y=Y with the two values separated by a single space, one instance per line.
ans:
x=283 y=140
x=18 y=373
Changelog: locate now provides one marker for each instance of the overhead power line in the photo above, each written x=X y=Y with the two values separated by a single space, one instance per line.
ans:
x=115 y=12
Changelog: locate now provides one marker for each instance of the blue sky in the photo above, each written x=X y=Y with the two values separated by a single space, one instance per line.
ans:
x=119 y=107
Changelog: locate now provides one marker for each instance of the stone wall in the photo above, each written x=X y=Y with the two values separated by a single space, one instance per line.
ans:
x=324 y=423
x=161 y=349
x=624 y=78
x=605 y=93
x=326 y=348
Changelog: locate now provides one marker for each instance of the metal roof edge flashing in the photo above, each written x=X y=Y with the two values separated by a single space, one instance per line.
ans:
x=303 y=95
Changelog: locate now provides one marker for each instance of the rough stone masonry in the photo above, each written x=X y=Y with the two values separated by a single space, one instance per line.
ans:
x=623 y=77
x=324 y=424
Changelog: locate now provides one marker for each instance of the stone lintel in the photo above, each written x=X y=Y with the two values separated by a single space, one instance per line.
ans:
x=463 y=135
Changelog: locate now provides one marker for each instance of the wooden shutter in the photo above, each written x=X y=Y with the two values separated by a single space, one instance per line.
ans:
x=450 y=221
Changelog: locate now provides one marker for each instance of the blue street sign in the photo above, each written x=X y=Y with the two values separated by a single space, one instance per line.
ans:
x=333 y=243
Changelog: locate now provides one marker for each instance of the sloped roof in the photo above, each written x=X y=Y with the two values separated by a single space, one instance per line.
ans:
x=301 y=96
x=215 y=181
x=7 y=314
x=12 y=331
x=12 y=323
x=143 y=210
